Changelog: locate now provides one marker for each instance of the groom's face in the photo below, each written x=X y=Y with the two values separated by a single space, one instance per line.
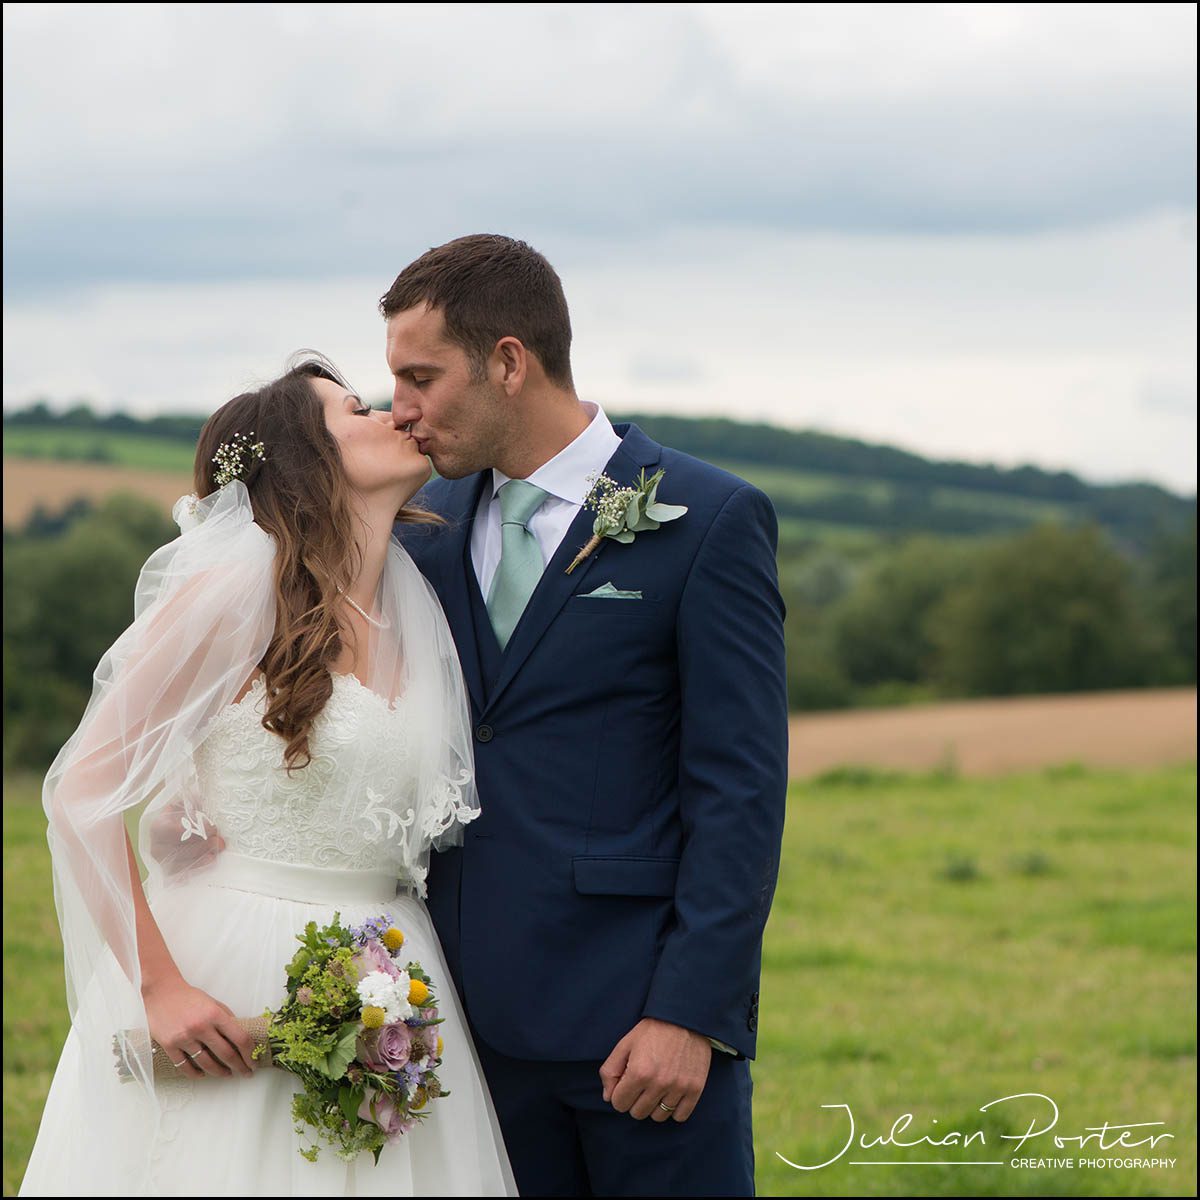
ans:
x=455 y=419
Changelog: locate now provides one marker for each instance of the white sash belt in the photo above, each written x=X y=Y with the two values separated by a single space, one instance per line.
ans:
x=297 y=881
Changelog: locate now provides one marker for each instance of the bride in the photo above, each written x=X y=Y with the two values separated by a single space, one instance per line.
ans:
x=288 y=679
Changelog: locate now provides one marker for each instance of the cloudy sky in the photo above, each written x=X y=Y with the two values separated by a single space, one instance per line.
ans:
x=968 y=230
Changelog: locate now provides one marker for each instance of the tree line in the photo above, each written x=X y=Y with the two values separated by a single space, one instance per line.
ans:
x=1133 y=512
x=1048 y=609
x=1051 y=608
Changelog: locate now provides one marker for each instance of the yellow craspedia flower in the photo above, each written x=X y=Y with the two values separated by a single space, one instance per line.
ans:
x=393 y=939
x=419 y=1098
x=372 y=1016
x=438 y=1052
x=418 y=993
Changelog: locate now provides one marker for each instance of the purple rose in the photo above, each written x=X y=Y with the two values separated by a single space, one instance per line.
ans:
x=373 y=957
x=386 y=1049
x=425 y=1042
x=387 y=1115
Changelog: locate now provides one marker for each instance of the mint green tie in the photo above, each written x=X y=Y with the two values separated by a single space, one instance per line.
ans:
x=521 y=563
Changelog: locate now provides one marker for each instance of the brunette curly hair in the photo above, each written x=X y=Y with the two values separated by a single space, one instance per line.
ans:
x=301 y=497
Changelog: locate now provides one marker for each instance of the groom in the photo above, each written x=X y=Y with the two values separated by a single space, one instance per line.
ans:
x=603 y=919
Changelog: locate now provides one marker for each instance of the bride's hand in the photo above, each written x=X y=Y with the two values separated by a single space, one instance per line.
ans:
x=175 y=847
x=200 y=1034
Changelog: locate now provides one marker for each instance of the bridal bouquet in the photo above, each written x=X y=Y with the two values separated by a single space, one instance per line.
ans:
x=360 y=1032
x=357 y=1028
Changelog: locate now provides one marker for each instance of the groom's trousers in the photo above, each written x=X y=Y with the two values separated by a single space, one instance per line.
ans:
x=563 y=1139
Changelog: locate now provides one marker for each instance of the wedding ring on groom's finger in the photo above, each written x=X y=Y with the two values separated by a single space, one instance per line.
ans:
x=667 y=1108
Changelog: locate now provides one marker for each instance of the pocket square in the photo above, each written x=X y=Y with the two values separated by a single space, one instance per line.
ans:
x=607 y=591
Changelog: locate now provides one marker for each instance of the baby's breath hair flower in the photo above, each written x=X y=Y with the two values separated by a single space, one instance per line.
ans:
x=234 y=458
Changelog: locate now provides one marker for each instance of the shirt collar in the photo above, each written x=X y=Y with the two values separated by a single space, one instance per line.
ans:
x=566 y=474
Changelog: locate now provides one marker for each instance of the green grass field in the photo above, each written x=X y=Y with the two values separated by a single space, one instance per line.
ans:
x=84 y=445
x=784 y=485
x=935 y=944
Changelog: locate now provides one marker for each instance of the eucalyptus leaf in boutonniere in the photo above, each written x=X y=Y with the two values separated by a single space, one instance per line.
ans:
x=623 y=512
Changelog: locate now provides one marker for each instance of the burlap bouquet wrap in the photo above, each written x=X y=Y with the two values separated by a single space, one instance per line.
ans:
x=133 y=1042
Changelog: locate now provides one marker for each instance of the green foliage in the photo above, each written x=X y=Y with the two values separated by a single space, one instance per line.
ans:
x=67 y=597
x=1034 y=862
x=1051 y=610
x=815 y=480
x=99 y=445
x=852 y=776
x=817 y=579
x=311 y=1036
x=875 y=614
x=43 y=524
x=810 y=583
x=881 y=629
x=815 y=677
x=342 y=1054
x=1170 y=574
x=896 y=693
x=959 y=868
x=844 y=481
x=170 y=427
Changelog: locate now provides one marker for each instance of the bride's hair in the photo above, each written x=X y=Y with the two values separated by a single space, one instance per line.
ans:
x=301 y=497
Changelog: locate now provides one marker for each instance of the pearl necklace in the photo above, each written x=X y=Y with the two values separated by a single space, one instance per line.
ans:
x=370 y=620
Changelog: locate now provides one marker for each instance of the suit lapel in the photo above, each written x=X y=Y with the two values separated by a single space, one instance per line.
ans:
x=460 y=577
x=555 y=586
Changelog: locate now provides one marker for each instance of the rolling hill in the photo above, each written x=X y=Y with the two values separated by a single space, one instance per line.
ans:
x=824 y=488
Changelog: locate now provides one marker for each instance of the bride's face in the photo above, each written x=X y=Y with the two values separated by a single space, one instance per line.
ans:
x=375 y=454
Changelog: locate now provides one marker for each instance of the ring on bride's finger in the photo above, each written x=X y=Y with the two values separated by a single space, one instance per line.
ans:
x=179 y=1064
x=197 y=1054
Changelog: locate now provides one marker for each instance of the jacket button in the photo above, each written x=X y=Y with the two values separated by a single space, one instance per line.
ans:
x=484 y=733
x=752 y=1022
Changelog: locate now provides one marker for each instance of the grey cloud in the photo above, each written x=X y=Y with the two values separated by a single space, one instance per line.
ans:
x=1161 y=397
x=339 y=175
x=655 y=368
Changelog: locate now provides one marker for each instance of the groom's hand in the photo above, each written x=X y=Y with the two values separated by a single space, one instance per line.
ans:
x=657 y=1063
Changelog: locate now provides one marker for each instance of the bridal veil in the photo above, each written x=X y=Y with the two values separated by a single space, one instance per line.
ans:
x=204 y=615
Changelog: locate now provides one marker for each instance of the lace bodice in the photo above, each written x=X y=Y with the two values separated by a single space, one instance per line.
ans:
x=351 y=808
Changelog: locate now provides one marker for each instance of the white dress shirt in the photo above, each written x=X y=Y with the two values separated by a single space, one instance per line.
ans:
x=564 y=478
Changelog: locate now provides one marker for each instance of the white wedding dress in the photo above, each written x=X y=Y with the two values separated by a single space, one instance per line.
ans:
x=298 y=849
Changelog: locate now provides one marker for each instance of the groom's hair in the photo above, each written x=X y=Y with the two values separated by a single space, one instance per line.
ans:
x=487 y=287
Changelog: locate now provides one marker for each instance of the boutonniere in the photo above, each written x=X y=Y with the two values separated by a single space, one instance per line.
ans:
x=623 y=512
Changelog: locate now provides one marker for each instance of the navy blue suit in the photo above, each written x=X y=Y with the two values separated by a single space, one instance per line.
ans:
x=631 y=758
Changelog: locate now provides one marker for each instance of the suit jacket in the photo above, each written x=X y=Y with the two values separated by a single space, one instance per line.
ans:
x=631 y=759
